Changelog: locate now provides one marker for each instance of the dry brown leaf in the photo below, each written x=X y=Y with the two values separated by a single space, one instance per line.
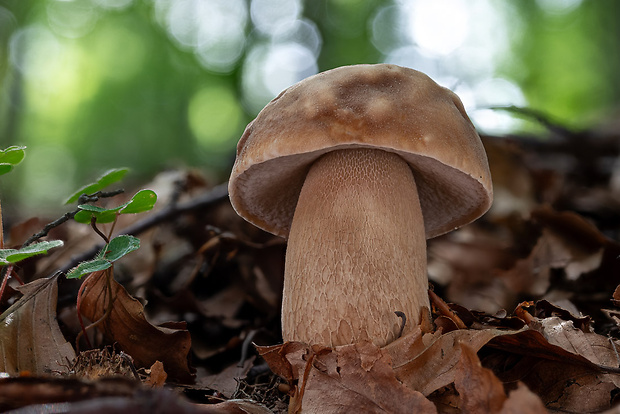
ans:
x=344 y=379
x=127 y=326
x=427 y=363
x=523 y=401
x=467 y=263
x=157 y=375
x=566 y=373
x=226 y=382
x=596 y=348
x=30 y=339
x=512 y=181
x=480 y=390
x=565 y=387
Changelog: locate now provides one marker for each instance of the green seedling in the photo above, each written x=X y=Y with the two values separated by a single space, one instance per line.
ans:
x=142 y=201
x=111 y=252
x=9 y=157
x=12 y=256
x=109 y=177
x=114 y=248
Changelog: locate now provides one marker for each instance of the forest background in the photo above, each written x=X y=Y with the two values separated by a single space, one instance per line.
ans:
x=89 y=85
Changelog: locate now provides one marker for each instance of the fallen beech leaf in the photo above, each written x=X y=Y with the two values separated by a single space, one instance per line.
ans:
x=566 y=380
x=531 y=275
x=127 y=326
x=277 y=358
x=427 y=363
x=348 y=378
x=596 y=348
x=563 y=386
x=546 y=309
x=30 y=339
x=523 y=401
x=533 y=343
x=480 y=390
x=157 y=375
x=574 y=238
x=555 y=339
x=226 y=382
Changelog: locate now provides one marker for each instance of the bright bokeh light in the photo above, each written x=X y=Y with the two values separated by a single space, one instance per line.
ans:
x=71 y=19
x=269 y=15
x=54 y=82
x=300 y=31
x=286 y=64
x=493 y=93
x=558 y=6
x=214 y=116
x=458 y=43
x=269 y=69
x=389 y=28
x=119 y=64
x=439 y=26
x=214 y=30
x=286 y=52
x=113 y=4
x=31 y=51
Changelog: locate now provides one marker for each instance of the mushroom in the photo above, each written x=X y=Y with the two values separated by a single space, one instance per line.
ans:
x=357 y=166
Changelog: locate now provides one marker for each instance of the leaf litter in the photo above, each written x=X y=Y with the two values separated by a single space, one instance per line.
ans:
x=530 y=322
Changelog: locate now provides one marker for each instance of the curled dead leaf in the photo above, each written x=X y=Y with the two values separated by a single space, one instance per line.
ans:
x=30 y=338
x=344 y=379
x=127 y=326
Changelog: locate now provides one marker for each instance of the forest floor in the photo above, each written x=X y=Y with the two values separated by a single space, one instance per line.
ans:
x=525 y=305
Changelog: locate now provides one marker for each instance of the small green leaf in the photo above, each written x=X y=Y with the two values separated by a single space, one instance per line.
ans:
x=12 y=155
x=5 y=168
x=120 y=246
x=16 y=255
x=91 y=208
x=107 y=216
x=109 y=177
x=142 y=201
x=103 y=215
x=91 y=266
x=117 y=248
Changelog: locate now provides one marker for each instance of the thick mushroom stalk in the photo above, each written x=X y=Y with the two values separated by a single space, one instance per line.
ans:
x=356 y=251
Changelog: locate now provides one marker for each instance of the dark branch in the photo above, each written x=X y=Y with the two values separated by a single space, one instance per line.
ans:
x=84 y=198
x=213 y=197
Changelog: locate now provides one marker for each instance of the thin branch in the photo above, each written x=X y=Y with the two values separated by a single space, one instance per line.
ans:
x=84 y=198
x=213 y=197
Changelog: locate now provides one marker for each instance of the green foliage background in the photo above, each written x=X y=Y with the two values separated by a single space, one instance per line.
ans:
x=123 y=93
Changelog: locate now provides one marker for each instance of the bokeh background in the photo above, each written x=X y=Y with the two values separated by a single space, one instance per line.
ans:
x=90 y=85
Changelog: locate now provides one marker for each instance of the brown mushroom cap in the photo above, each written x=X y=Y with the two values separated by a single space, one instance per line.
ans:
x=380 y=106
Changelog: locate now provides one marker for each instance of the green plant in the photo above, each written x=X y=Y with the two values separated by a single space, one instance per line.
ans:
x=114 y=248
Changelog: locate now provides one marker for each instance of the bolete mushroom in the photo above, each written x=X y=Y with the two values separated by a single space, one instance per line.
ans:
x=357 y=167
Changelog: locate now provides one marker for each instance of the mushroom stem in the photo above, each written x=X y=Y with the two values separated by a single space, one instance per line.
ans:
x=356 y=251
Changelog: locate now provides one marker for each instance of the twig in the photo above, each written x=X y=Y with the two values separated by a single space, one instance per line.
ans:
x=84 y=198
x=215 y=196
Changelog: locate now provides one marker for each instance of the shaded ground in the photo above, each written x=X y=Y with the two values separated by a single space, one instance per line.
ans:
x=525 y=309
